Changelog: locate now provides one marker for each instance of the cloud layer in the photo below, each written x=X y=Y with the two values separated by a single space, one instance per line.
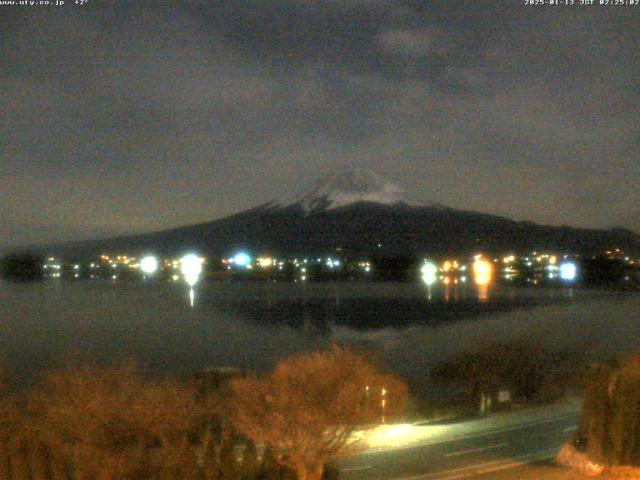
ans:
x=122 y=117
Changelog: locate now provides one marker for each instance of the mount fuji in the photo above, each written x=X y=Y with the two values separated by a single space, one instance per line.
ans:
x=359 y=212
x=341 y=189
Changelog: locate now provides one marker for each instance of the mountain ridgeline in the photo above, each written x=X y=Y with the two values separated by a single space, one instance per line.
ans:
x=360 y=213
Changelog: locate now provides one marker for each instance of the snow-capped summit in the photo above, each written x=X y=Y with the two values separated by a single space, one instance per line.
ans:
x=339 y=189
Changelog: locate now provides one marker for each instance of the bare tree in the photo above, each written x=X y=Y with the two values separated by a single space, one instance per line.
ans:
x=111 y=423
x=309 y=407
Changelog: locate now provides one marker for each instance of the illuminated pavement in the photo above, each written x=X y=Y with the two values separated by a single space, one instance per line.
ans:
x=463 y=450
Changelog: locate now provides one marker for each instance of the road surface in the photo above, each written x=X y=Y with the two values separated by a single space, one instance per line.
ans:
x=463 y=449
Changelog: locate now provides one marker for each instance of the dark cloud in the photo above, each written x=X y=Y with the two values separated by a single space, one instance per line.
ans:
x=128 y=116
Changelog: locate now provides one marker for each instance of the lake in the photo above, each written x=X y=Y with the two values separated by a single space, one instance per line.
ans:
x=251 y=325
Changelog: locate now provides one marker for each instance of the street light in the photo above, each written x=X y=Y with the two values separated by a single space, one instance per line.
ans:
x=482 y=270
x=429 y=273
x=568 y=271
x=191 y=268
x=242 y=259
x=149 y=265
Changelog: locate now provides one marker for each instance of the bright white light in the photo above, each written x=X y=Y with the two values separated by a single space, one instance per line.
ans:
x=149 y=265
x=242 y=259
x=568 y=271
x=191 y=268
x=429 y=273
x=331 y=263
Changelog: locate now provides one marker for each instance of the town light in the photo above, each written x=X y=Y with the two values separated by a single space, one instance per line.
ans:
x=332 y=263
x=265 y=262
x=191 y=268
x=568 y=271
x=242 y=259
x=429 y=273
x=149 y=265
x=482 y=271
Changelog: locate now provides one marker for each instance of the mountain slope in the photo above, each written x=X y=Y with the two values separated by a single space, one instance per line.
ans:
x=360 y=212
x=630 y=221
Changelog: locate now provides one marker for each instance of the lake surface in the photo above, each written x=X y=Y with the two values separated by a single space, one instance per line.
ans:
x=252 y=325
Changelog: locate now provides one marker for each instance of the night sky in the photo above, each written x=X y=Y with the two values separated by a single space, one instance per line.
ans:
x=123 y=117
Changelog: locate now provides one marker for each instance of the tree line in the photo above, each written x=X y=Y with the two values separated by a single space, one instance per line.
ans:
x=21 y=267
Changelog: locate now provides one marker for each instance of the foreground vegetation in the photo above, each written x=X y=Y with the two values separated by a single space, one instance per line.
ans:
x=89 y=423
x=607 y=441
x=609 y=431
x=96 y=423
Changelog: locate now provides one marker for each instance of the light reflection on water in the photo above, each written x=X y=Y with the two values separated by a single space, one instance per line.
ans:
x=251 y=326
x=483 y=292
x=192 y=297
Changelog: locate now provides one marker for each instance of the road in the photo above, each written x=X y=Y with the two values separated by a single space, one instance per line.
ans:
x=464 y=449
